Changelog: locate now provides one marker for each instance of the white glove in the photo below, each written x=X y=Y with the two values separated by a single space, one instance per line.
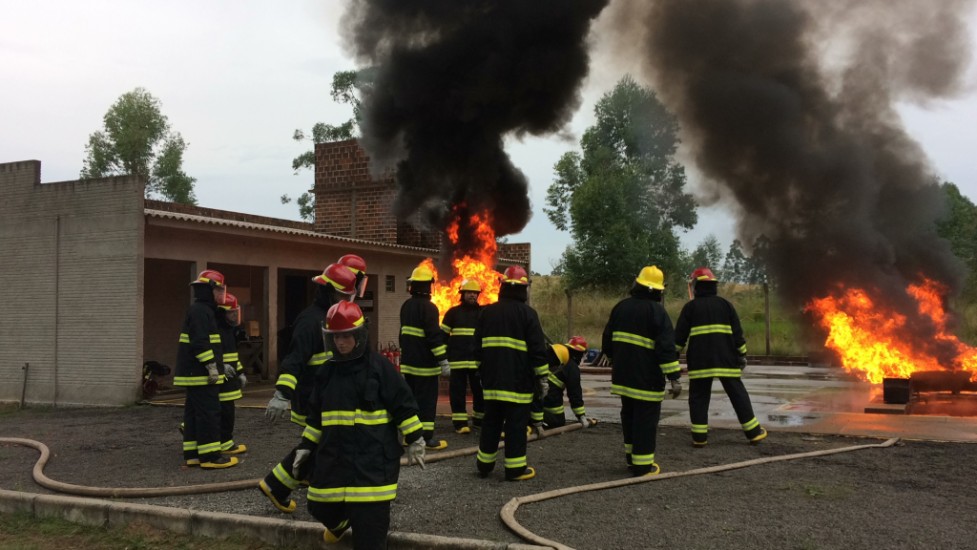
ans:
x=584 y=423
x=277 y=407
x=676 y=389
x=243 y=379
x=301 y=455
x=415 y=453
x=212 y=376
x=445 y=367
x=229 y=370
x=538 y=428
x=542 y=387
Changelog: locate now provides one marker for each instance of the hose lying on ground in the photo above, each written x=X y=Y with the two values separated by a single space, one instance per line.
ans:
x=508 y=512
x=239 y=485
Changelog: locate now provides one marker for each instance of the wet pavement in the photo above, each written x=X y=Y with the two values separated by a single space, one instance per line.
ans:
x=800 y=398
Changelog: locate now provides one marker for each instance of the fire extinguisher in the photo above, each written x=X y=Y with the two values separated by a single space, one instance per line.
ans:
x=395 y=352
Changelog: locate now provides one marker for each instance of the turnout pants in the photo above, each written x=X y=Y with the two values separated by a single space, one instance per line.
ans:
x=459 y=382
x=639 y=421
x=202 y=423
x=280 y=479
x=700 y=390
x=509 y=417
x=369 y=521
x=425 y=390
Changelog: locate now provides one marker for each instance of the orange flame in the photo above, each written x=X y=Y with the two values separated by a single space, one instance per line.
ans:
x=474 y=264
x=874 y=341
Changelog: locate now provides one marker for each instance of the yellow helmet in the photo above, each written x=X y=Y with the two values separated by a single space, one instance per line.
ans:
x=421 y=274
x=651 y=277
x=470 y=285
x=562 y=353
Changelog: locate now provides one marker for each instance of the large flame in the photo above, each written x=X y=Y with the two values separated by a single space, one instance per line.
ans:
x=475 y=264
x=874 y=341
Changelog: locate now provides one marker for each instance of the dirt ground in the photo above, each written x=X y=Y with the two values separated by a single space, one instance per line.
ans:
x=912 y=495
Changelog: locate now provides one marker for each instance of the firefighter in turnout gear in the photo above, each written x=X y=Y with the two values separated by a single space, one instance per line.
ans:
x=640 y=343
x=228 y=319
x=709 y=330
x=565 y=375
x=359 y=410
x=511 y=353
x=199 y=368
x=297 y=374
x=459 y=328
x=424 y=353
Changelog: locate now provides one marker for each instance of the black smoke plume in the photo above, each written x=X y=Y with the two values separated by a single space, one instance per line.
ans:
x=788 y=107
x=453 y=79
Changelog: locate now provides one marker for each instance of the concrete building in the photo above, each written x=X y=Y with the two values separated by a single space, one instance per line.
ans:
x=93 y=277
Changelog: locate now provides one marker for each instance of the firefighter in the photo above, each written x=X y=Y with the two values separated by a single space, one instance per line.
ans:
x=294 y=386
x=512 y=362
x=640 y=343
x=424 y=355
x=356 y=463
x=358 y=266
x=459 y=328
x=709 y=330
x=565 y=375
x=234 y=377
x=197 y=360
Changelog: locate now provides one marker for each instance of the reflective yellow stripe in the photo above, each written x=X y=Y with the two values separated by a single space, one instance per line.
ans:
x=742 y=349
x=231 y=357
x=710 y=329
x=700 y=428
x=463 y=364
x=439 y=350
x=643 y=460
x=445 y=328
x=190 y=381
x=353 y=494
x=214 y=338
x=311 y=434
x=463 y=332
x=208 y=448
x=359 y=416
x=512 y=397
x=410 y=425
x=230 y=395
x=503 y=342
x=579 y=411
x=634 y=393
x=516 y=462
x=205 y=356
x=319 y=358
x=287 y=380
x=542 y=370
x=420 y=371
x=412 y=331
x=459 y=417
x=750 y=424
x=184 y=338
x=555 y=381
x=718 y=372
x=487 y=458
x=297 y=418
x=633 y=339
x=554 y=410
x=669 y=368
x=285 y=476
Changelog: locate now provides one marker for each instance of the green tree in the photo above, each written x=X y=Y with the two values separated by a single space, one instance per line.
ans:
x=740 y=268
x=346 y=87
x=623 y=196
x=959 y=227
x=706 y=254
x=136 y=140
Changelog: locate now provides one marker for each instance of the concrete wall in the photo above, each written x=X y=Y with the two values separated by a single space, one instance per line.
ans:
x=71 y=288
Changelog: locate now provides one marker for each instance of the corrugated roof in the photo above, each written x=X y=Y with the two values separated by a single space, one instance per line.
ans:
x=207 y=220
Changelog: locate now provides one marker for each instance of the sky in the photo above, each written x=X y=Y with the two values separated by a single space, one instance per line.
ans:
x=237 y=78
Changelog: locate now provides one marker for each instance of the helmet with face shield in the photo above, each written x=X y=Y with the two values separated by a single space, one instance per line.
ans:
x=232 y=311
x=344 y=332
x=357 y=265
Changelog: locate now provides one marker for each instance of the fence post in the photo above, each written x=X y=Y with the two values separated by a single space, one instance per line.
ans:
x=766 y=314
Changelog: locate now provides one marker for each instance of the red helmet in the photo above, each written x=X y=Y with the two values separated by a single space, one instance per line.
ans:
x=577 y=343
x=702 y=274
x=210 y=277
x=230 y=301
x=343 y=317
x=515 y=275
x=339 y=277
x=353 y=262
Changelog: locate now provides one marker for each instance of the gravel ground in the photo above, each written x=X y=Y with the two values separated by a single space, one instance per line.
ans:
x=912 y=495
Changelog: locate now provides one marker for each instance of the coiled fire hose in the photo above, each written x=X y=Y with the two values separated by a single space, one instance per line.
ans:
x=239 y=485
x=508 y=513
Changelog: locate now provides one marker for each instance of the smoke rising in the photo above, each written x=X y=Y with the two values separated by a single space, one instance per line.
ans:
x=788 y=107
x=453 y=80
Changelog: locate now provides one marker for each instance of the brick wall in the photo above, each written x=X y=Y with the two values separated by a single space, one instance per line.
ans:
x=71 y=285
x=519 y=252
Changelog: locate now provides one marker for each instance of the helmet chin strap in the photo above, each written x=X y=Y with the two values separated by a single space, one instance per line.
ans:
x=691 y=290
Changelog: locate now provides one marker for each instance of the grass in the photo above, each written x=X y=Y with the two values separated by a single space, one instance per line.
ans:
x=24 y=532
x=590 y=311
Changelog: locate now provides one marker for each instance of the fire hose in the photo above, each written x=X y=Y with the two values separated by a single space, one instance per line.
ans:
x=508 y=513
x=239 y=485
